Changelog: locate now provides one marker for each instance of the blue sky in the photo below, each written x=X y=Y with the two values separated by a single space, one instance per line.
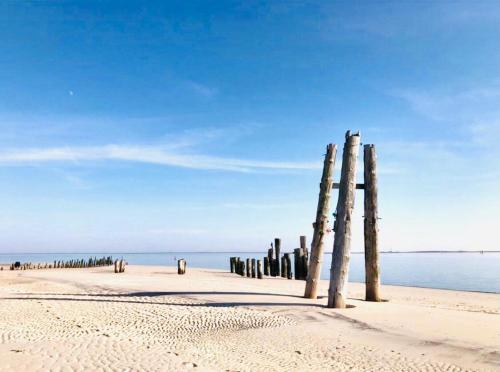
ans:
x=143 y=126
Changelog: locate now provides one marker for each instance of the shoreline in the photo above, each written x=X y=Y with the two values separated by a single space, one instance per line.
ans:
x=6 y=266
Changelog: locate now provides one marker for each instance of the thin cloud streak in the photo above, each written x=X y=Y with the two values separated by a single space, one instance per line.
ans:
x=145 y=154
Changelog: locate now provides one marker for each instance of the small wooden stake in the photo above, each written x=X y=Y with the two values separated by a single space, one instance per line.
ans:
x=342 y=241
x=372 y=266
x=181 y=266
x=321 y=224
x=259 y=269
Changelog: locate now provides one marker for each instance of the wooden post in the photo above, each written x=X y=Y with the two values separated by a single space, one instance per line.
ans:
x=372 y=266
x=237 y=265
x=254 y=268
x=248 y=268
x=288 y=263
x=121 y=266
x=339 y=272
x=277 y=249
x=272 y=266
x=242 y=268
x=297 y=263
x=284 y=268
x=305 y=257
x=259 y=269
x=181 y=266
x=116 y=266
x=321 y=224
x=266 y=266
x=232 y=261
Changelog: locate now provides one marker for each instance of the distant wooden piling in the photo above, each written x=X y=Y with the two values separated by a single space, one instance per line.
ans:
x=305 y=257
x=181 y=266
x=342 y=240
x=372 y=266
x=297 y=263
x=266 y=266
x=284 y=268
x=254 y=268
x=272 y=265
x=321 y=224
x=277 y=249
x=116 y=267
x=232 y=261
x=288 y=263
x=259 y=269
x=121 y=265
x=248 y=268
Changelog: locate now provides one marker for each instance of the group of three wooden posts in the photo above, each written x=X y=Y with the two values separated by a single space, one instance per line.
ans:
x=308 y=266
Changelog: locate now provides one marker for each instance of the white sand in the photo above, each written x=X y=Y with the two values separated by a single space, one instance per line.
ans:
x=150 y=318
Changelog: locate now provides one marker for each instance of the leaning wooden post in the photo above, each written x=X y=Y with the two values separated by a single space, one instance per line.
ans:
x=321 y=224
x=372 y=266
x=181 y=266
x=339 y=271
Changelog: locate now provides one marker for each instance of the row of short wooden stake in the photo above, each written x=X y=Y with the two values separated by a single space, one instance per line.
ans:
x=61 y=264
x=274 y=264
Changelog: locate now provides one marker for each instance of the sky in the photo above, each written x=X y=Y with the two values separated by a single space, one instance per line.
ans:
x=202 y=126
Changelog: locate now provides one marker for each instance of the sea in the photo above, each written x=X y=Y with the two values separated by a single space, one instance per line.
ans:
x=463 y=271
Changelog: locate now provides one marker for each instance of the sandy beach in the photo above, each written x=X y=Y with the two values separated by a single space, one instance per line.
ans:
x=150 y=318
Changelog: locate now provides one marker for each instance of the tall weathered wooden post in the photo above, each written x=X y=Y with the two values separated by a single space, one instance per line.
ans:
x=259 y=269
x=372 y=266
x=321 y=224
x=254 y=268
x=342 y=241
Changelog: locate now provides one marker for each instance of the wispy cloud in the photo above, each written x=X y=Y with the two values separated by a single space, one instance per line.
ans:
x=145 y=154
x=201 y=89
x=163 y=231
x=464 y=104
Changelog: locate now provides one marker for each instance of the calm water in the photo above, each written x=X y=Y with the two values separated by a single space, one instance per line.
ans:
x=460 y=271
